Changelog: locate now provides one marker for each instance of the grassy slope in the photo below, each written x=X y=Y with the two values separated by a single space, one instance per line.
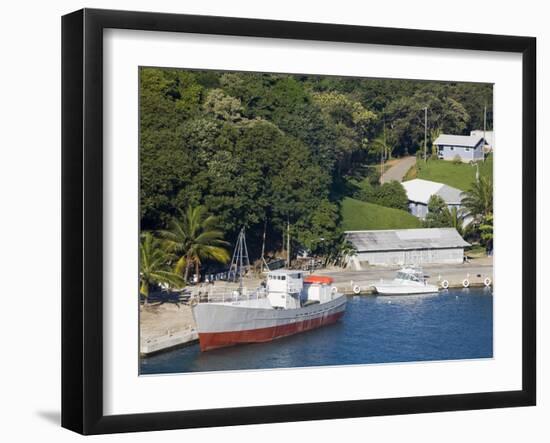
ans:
x=459 y=176
x=358 y=215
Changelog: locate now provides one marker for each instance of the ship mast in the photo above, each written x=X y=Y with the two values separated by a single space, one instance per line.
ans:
x=240 y=262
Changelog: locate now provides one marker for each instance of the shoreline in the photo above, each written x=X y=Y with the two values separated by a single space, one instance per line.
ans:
x=167 y=326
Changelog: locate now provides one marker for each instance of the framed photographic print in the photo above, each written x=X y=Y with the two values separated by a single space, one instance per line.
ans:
x=269 y=221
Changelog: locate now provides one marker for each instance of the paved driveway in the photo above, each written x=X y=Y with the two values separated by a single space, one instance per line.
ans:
x=398 y=170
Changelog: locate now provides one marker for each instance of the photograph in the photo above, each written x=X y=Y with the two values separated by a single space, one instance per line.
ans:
x=304 y=220
x=274 y=222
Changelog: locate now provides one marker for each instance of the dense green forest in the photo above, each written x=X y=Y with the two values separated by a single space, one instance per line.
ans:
x=268 y=151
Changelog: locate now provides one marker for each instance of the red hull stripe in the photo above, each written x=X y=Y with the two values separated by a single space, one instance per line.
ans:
x=213 y=340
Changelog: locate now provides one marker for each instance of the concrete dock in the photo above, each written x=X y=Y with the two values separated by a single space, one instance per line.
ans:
x=154 y=345
x=165 y=326
x=476 y=271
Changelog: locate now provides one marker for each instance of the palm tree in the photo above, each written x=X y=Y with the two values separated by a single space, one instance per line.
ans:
x=478 y=201
x=194 y=237
x=383 y=146
x=340 y=253
x=486 y=229
x=153 y=267
x=455 y=219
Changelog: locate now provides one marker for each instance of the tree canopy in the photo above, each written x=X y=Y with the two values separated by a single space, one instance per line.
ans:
x=266 y=151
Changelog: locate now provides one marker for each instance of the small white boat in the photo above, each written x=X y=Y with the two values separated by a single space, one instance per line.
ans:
x=407 y=281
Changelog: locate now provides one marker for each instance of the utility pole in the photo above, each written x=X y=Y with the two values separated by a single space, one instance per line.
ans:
x=263 y=240
x=484 y=129
x=385 y=145
x=383 y=150
x=476 y=164
x=382 y=161
x=288 y=242
x=425 y=134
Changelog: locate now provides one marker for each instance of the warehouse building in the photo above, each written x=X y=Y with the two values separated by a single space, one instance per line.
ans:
x=406 y=247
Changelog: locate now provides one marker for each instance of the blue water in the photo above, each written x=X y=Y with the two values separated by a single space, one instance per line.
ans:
x=454 y=324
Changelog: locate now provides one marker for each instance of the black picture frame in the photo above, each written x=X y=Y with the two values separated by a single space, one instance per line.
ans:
x=82 y=218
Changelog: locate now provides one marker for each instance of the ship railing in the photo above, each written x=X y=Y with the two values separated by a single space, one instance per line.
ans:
x=223 y=295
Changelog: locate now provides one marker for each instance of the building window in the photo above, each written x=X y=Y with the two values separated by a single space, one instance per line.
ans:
x=452 y=148
x=467 y=149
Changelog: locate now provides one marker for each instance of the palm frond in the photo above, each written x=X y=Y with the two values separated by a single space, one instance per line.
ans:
x=180 y=265
x=193 y=237
x=213 y=253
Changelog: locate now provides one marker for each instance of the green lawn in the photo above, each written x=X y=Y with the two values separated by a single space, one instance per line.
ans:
x=358 y=215
x=459 y=176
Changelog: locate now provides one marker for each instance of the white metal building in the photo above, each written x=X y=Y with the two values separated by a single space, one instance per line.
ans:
x=406 y=247
x=419 y=192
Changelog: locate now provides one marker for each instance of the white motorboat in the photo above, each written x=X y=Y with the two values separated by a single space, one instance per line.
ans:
x=407 y=281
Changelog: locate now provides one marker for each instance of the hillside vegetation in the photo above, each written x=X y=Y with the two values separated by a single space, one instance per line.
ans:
x=358 y=215
x=278 y=154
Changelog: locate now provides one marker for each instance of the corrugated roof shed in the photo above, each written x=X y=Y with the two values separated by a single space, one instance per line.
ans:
x=468 y=141
x=420 y=191
x=406 y=239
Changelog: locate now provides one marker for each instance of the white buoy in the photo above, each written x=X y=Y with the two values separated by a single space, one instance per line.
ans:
x=487 y=282
x=356 y=289
x=445 y=284
x=466 y=283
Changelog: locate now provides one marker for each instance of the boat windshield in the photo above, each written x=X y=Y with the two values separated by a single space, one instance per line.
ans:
x=407 y=276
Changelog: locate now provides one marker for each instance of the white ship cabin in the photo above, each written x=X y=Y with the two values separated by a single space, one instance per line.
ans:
x=289 y=289
x=284 y=288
